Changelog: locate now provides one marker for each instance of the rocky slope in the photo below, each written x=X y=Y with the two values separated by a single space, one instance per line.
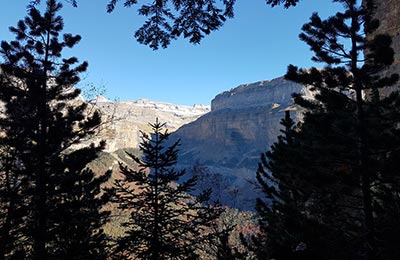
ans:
x=124 y=120
x=222 y=146
x=242 y=124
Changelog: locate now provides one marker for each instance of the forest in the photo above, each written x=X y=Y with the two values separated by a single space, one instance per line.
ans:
x=330 y=182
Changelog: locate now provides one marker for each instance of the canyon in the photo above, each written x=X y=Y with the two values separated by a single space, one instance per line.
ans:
x=221 y=144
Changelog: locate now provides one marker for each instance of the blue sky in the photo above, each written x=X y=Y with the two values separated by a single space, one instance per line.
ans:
x=257 y=44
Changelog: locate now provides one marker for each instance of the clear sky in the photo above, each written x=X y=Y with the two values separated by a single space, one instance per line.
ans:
x=257 y=44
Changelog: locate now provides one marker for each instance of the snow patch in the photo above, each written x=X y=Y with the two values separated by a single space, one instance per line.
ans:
x=179 y=110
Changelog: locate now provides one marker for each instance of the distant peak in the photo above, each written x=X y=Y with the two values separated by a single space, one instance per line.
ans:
x=99 y=99
x=144 y=102
x=148 y=104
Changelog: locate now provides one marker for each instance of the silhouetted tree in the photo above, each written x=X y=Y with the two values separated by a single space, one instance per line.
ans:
x=346 y=77
x=280 y=213
x=167 y=20
x=282 y=176
x=165 y=221
x=52 y=203
x=12 y=206
x=342 y=142
x=32 y=3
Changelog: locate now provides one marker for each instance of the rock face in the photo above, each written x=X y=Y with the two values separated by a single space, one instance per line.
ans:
x=262 y=93
x=388 y=14
x=242 y=124
x=225 y=142
x=126 y=119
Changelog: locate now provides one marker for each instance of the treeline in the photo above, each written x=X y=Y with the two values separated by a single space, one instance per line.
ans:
x=331 y=182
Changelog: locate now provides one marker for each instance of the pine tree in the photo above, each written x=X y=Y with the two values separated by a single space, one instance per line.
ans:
x=52 y=207
x=165 y=221
x=343 y=141
x=330 y=178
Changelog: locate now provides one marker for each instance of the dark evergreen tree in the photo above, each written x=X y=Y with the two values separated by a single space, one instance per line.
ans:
x=12 y=208
x=281 y=214
x=77 y=216
x=52 y=203
x=165 y=221
x=342 y=145
x=342 y=87
x=281 y=211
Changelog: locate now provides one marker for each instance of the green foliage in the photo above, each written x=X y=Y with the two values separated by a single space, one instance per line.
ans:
x=52 y=203
x=165 y=221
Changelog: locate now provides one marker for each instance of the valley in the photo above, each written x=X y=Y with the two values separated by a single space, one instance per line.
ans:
x=222 y=143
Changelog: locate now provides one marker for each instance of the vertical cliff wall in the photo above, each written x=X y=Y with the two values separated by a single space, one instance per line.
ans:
x=388 y=14
x=243 y=123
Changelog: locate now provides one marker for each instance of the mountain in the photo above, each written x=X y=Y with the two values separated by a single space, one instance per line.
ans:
x=226 y=143
x=388 y=13
x=125 y=119
x=221 y=145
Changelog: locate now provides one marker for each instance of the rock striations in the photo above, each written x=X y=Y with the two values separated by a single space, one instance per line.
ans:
x=126 y=119
x=263 y=93
x=242 y=124
x=225 y=142
x=388 y=14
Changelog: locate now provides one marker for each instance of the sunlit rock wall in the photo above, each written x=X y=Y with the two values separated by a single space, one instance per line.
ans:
x=124 y=121
x=262 y=93
x=242 y=124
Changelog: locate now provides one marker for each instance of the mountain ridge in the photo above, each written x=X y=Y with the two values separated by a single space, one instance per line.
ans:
x=127 y=119
x=225 y=141
x=242 y=124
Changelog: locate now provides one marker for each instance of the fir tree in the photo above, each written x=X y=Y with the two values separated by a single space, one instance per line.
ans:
x=165 y=221
x=52 y=207
x=277 y=183
x=281 y=175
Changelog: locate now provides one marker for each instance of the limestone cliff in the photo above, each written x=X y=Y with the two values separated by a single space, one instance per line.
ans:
x=124 y=120
x=242 y=124
x=388 y=14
